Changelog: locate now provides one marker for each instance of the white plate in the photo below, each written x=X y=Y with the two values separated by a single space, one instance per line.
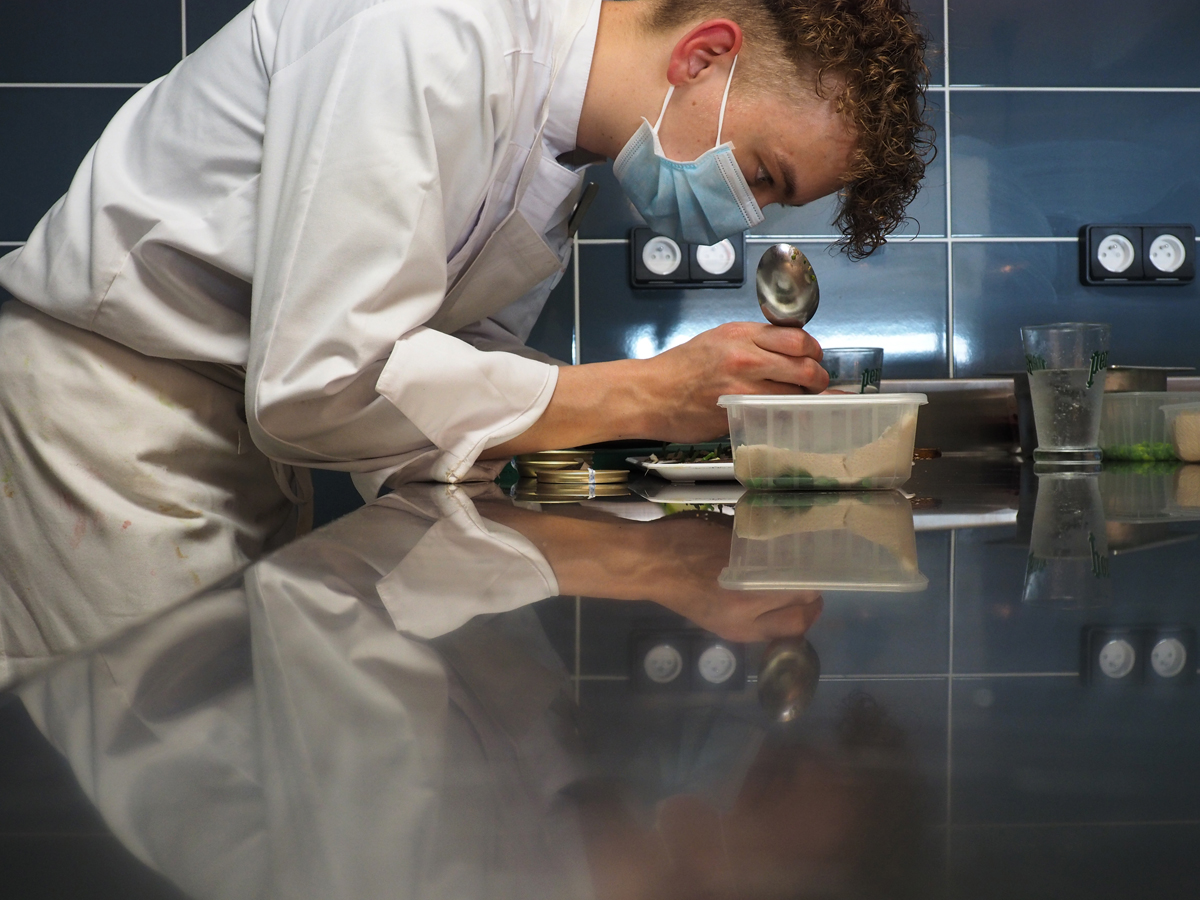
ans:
x=680 y=471
x=710 y=493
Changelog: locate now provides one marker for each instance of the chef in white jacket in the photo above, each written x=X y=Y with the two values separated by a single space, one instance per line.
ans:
x=323 y=237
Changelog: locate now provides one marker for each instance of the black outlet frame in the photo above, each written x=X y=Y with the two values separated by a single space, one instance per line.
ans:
x=689 y=274
x=1143 y=271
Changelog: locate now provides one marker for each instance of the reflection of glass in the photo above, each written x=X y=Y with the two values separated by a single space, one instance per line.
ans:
x=857 y=370
x=1068 y=549
x=859 y=541
x=1066 y=364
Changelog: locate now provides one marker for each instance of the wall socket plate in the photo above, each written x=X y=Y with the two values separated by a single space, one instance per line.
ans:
x=1137 y=254
x=656 y=261
x=1151 y=655
x=677 y=660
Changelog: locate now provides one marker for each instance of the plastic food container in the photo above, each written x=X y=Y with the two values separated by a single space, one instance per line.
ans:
x=848 y=541
x=822 y=441
x=1182 y=422
x=1133 y=427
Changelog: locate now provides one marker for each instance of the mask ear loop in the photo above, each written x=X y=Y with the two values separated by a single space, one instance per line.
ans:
x=724 y=100
x=663 y=111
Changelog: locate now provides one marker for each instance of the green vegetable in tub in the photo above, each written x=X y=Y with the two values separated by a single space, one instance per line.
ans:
x=1145 y=451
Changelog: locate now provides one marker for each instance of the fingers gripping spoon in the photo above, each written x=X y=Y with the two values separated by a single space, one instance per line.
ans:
x=787 y=286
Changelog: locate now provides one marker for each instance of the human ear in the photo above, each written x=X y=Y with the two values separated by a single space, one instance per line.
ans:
x=697 y=51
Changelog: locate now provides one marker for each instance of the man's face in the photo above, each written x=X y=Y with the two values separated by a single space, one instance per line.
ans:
x=790 y=154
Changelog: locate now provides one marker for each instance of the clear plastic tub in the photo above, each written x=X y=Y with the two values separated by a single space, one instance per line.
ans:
x=1132 y=425
x=822 y=441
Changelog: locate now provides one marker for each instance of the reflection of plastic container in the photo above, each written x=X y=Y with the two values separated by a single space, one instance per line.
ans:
x=850 y=541
x=1138 y=492
x=1132 y=426
x=822 y=441
x=1183 y=429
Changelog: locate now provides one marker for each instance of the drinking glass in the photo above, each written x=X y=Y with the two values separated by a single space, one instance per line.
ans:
x=1066 y=363
x=856 y=370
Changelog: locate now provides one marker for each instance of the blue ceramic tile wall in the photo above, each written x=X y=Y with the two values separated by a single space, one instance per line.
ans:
x=1049 y=116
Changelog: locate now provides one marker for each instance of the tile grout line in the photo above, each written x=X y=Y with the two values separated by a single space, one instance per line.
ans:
x=950 y=350
x=1064 y=89
x=72 y=84
x=915 y=239
x=576 y=353
x=913 y=676
x=940 y=88
x=951 y=573
x=1085 y=824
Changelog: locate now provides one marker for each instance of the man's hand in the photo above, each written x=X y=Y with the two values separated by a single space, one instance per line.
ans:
x=673 y=397
x=738 y=358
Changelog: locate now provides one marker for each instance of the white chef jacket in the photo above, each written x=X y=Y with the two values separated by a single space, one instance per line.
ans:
x=298 y=196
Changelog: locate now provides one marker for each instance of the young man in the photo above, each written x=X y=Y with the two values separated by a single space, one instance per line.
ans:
x=347 y=214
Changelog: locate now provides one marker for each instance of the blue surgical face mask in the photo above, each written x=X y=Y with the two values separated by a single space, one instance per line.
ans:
x=704 y=201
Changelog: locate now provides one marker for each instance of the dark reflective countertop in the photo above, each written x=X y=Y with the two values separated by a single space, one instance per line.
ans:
x=981 y=687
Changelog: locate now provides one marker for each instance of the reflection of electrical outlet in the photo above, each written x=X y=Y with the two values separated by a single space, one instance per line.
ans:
x=669 y=660
x=661 y=661
x=1116 y=655
x=1113 y=656
x=720 y=666
x=1171 y=656
x=1137 y=254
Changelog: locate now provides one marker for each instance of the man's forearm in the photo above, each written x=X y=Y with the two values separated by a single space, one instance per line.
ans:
x=595 y=402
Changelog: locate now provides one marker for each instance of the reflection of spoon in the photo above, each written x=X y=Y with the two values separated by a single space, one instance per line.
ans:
x=787 y=678
x=787 y=286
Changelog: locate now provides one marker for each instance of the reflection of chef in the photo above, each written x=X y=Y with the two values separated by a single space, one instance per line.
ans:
x=362 y=716
x=352 y=758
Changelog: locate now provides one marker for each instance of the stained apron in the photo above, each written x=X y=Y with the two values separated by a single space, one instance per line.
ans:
x=126 y=483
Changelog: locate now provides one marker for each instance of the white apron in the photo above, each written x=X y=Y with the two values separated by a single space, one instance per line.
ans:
x=126 y=483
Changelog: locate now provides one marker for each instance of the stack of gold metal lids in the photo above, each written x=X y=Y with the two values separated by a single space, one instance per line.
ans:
x=566 y=476
x=530 y=464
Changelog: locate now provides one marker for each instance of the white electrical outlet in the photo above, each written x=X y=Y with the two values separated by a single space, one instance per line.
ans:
x=1116 y=253
x=1167 y=252
x=1137 y=254
x=716 y=259
x=661 y=255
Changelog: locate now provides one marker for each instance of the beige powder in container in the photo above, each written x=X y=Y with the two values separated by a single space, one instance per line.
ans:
x=886 y=456
x=1186 y=435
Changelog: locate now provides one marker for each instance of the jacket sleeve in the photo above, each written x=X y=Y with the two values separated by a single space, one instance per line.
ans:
x=381 y=140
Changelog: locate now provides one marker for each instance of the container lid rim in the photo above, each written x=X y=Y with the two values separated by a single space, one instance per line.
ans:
x=799 y=400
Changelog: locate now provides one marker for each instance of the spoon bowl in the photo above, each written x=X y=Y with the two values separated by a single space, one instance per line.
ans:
x=787 y=286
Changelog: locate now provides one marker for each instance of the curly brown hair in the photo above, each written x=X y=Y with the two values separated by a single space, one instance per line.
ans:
x=874 y=52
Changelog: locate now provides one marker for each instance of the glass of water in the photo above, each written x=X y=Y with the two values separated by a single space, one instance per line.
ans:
x=1066 y=363
x=855 y=370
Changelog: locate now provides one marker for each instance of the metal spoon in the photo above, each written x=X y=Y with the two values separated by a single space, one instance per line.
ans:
x=787 y=678
x=787 y=286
